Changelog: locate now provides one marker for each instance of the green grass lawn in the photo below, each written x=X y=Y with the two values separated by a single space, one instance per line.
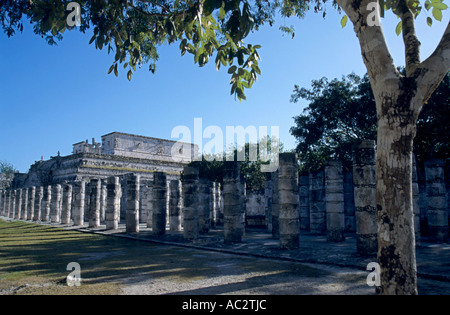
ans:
x=34 y=258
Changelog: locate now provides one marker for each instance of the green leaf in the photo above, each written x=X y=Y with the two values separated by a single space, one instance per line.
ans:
x=398 y=28
x=438 y=5
x=256 y=68
x=111 y=69
x=437 y=14
x=222 y=13
x=344 y=21
x=129 y=74
x=116 y=72
x=232 y=69
x=92 y=39
x=429 y=21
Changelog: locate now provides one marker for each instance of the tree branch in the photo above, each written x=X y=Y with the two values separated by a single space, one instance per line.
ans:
x=367 y=26
x=431 y=71
x=155 y=3
x=412 y=44
x=164 y=15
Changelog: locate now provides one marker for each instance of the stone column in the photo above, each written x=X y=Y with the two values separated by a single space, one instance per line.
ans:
x=55 y=206
x=13 y=204
x=103 y=201
x=46 y=203
x=423 y=204
x=233 y=228
x=288 y=219
x=437 y=203
x=175 y=205
x=87 y=201
x=31 y=202
x=190 y=202
x=66 y=204
x=95 y=187
x=303 y=194
x=8 y=203
x=317 y=209
x=213 y=203
x=243 y=195
x=159 y=203
x=204 y=220
x=113 y=196
x=416 y=205
x=218 y=205
x=24 y=211
x=349 y=202
x=334 y=201
x=145 y=201
x=275 y=206
x=268 y=201
x=364 y=179
x=18 y=204
x=132 y=203
x=79 y=196
x=38 y=203
x=2 y=202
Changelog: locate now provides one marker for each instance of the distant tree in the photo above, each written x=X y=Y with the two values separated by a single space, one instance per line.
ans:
x=433 y=126
x=7 y=171
x=342 y=112
x=211 y=167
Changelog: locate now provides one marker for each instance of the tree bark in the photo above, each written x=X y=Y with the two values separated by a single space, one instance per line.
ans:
x=395 y=217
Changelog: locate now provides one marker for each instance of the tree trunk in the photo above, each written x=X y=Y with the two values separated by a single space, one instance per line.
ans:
x=396 y=241
x=399 y=101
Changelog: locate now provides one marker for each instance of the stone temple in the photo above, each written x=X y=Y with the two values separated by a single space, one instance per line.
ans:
x=118 y=154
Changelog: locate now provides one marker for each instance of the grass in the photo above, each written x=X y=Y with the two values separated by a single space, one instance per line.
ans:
x=34 y=259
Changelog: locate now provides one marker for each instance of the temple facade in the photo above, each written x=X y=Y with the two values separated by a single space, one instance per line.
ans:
x=118 y=154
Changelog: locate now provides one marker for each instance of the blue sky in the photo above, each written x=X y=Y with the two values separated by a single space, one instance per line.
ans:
x=54 y=96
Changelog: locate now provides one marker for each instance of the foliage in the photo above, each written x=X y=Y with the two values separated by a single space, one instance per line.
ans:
x=134 y=29
x=342 y=112
x=211 y=167
x=433 y=130
x=339 y=113
x=7 y=171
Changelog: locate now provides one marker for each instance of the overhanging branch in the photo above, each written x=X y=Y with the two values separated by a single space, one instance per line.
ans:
x=431 y=71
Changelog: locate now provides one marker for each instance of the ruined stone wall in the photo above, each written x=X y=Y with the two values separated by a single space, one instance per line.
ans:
x=255 y=209
x=127 y=145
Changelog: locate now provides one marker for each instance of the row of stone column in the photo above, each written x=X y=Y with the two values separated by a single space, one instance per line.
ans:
x=332 y=202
